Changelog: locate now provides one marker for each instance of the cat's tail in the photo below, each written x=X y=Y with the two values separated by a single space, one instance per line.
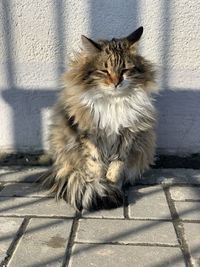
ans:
x=84 y=193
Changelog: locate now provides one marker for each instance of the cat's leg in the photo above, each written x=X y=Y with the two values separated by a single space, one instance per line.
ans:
x=80 y=178
x=88 y=187
x=83 y=158
x=115 y=172
x=93 y=165
x=65 y=152
x=141 y=156
x=116 y=169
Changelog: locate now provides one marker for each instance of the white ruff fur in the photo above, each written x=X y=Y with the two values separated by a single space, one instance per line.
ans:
x=114 y=111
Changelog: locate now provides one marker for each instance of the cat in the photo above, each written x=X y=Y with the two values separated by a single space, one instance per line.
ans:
x=102 y=133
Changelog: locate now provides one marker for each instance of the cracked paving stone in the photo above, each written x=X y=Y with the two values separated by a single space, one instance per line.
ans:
x=164 y=176
x=126 y=231
x=112 y=213
x=21 y=174
x=8 y=229
x=171 y=176
x=148 y=203
x=185 y=193
x=23 y=190
x=188 y=210
x=43 y=244
x=21 y=206
x=128 y=256
x=192 y=235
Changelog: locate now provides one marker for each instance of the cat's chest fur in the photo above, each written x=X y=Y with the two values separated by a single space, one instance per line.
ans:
x=112 y=113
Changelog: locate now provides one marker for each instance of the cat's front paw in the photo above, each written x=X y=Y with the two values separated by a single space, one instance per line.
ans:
x=115 y=172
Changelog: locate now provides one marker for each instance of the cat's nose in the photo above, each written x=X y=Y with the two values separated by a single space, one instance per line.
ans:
x=116 y=80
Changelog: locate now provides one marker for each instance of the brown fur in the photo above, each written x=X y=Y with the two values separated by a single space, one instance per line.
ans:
x=95 y=153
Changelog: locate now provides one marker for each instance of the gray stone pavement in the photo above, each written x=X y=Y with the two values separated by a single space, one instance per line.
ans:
x=159 y=224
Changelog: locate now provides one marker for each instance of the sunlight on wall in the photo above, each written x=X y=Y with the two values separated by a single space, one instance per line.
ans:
x=37 y=38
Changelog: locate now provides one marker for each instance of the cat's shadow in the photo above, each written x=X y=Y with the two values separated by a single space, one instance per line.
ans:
x=131 y=195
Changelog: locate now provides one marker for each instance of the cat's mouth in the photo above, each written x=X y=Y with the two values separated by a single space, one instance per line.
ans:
x=120 y=88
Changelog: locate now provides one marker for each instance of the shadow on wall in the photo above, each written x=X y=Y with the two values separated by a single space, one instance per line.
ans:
x=178 y=110
x=27 y=104
x=178 y=123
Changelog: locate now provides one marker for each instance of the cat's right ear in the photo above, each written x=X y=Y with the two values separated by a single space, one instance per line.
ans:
x=135 y=36
x=89 y=45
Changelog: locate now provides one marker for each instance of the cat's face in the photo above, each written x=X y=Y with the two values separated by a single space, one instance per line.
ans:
x=113 y=67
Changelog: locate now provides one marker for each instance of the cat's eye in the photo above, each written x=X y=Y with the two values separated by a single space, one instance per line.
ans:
x=133 y=68
x=104 y=71
x=125 y=70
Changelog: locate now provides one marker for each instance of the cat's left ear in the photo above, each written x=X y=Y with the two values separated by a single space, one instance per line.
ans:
x=89 y=45
x=135 y=36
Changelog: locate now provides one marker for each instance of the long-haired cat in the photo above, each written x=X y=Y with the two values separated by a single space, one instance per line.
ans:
x=102 y=135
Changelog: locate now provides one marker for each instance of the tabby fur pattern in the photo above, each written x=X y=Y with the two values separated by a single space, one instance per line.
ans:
x=102 y=133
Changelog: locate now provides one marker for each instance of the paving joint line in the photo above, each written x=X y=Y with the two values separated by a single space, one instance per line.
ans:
x=141 y=244
x=18 y=182
x=130 y=219
x=36 y=217
x=70 y=244
x=190 y=221
x=170 y=184
x=186 y=185
x=95 y=218
x=15 y=242
x=125 y=205
x=179 y=228
x=1 y=187
x=29 y=197
x=187 y=200
x=91 y=218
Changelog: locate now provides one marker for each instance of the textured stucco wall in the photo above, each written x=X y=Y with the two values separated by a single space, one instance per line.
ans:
x=37 y=37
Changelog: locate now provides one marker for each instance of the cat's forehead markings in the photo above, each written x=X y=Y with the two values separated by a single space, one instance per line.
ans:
x=109 y=59
x=114 y=56
x=114 y=60
x=107 y=51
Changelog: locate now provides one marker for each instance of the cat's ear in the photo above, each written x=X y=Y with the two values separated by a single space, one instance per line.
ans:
x=89 y=45
x=135 y=36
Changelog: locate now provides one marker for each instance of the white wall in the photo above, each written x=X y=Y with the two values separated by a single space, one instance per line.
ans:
x=37 y=37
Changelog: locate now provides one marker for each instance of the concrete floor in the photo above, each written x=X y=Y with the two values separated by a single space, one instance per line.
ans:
x=159 y=224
